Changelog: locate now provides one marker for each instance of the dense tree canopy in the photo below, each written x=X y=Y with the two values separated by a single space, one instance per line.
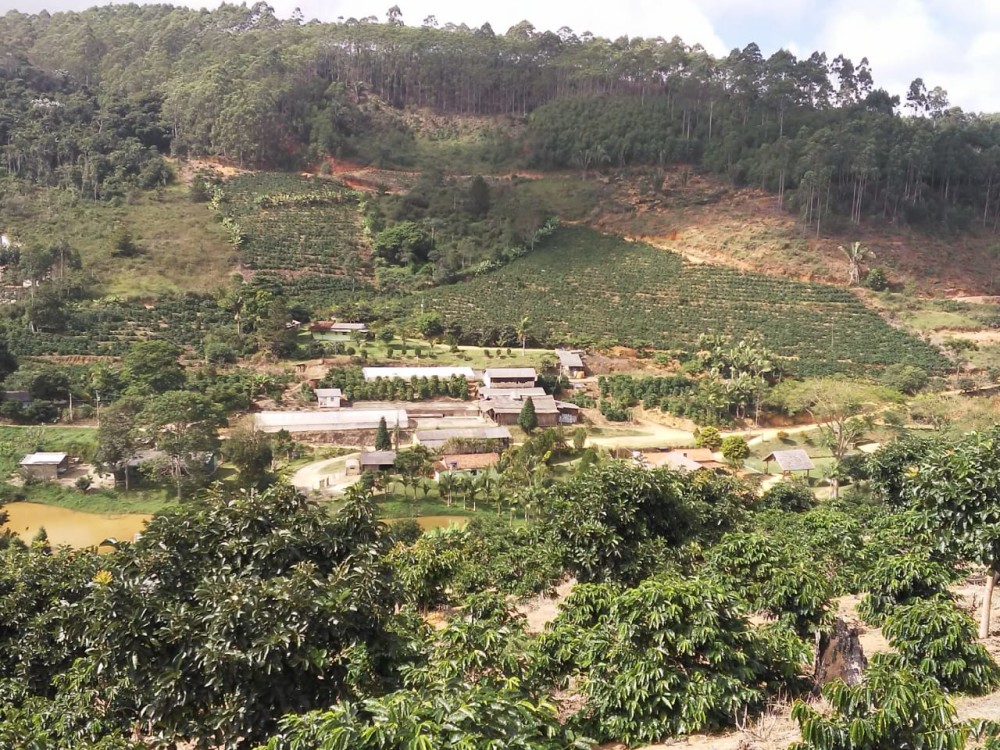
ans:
x=92 y=100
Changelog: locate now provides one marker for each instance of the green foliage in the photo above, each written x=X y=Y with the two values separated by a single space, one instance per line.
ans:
x=212 y=590
x=893 y=707
x=709 y=437
x=153 y=367
x=835 y=538
x=789 y=496
x=876 y=280
x=566 y=289
x=955 y=490
x=251 y=452
x=904 y=378
x=354 y=386
x=671 y=656
x=527 y=420
x=902 y=578
x=406 y=243
x=617 y=522
x=773 y=578
x=937 y=639
x=383 y=441
x=735 y=450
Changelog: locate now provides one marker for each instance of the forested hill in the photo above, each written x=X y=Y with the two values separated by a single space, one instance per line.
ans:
x=91 y=100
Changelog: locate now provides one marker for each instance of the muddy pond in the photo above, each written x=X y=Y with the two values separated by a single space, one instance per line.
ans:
x=72 y=527
x=79 y=529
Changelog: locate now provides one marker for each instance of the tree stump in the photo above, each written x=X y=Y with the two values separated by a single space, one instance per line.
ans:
x=839 y=655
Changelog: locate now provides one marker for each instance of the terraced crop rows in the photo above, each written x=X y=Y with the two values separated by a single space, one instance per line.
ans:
x=584 y=287
x=109 y=328
x=296 y=224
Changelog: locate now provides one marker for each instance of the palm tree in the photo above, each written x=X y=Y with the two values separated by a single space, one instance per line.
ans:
x=522 y=331
x=446 y=485
x=856 y=254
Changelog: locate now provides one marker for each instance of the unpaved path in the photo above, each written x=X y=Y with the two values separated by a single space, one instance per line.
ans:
x=653 y=436
x=318 y=476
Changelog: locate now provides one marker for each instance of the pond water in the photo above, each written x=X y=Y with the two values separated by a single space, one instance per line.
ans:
x=72 y=527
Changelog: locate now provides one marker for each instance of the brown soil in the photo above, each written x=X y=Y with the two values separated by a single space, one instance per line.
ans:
x=708 y=221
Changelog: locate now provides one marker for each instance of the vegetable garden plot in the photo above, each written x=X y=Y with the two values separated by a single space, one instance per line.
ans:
x=584 y=287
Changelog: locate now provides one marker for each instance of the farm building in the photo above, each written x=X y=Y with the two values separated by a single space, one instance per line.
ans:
x=45 y=465
x=332 y=326
x=534 y=392
x=789 y=461
x=510 y=377
x=378 y=460
x=505 y=410
x=352 y=467
x=329 y=398
x=435 y=439
x=570 y=363
x=674 y=460
x=22 y=397
x=330 y=421
x=465 y=463
x=568 y=413
x=374 y=373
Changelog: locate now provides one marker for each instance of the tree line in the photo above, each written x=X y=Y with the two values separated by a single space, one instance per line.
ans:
x=91 y=99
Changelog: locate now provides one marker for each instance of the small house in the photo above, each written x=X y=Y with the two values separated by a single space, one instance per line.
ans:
x=378 y=461
x=352 y=467
x=510 y=377
x=570 y=363
x=568 y=413
x=789 y=461
x=465 y=463
x=329 y=398
x=46 y=466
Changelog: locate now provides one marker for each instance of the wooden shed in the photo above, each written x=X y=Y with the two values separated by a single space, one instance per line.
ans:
x=789 y=461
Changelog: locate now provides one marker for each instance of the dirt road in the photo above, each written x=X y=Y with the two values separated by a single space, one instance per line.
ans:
x=326 y=476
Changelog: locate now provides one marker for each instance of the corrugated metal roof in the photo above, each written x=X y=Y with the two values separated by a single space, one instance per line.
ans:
x=487 y=392
x=328 y=393
x=373 y=373
x=511 y=372
x=542 y=404
x=378 y=458
x=321 y=421
x=466 y=433
x=467 y=461
x=673 y=460
x=569 y=359
x=792 y=460
x=43 y=459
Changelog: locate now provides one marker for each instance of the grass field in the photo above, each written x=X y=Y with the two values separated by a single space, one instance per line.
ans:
x=584 y=287
x=78 y=442
x=182 y=247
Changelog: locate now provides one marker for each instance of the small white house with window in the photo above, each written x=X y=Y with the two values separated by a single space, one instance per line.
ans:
x=329 y=398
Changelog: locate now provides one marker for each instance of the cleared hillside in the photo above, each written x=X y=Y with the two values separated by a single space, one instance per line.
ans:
x=584 y=287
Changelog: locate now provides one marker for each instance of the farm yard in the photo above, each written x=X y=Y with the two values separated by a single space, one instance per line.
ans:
x=584 y=288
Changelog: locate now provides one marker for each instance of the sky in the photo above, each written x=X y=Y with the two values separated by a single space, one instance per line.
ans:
x=954 y=44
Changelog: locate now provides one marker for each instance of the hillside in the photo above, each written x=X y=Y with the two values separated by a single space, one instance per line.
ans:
x=707 y=220
x=589 y=289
